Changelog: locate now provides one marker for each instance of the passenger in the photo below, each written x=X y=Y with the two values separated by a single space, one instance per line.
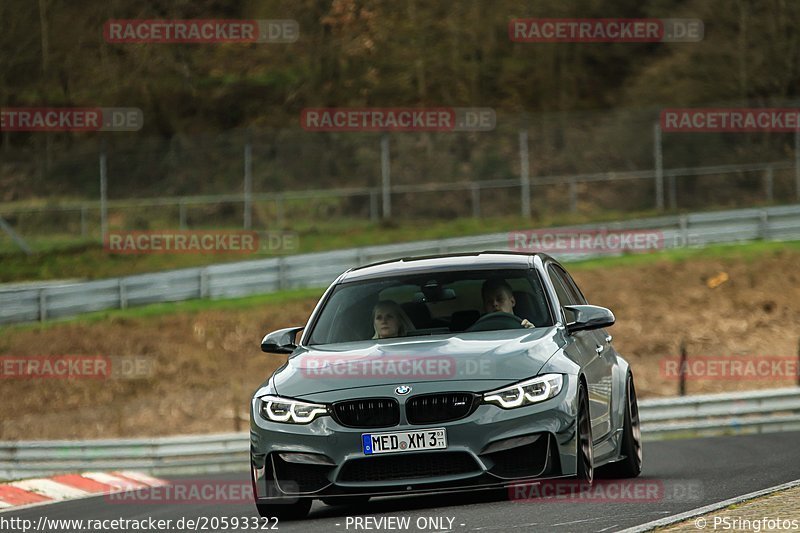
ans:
x=498 y=297
x=389 y=320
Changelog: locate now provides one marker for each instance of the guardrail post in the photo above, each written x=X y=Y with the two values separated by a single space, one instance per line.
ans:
x=763 y=225
x=683 y=222
x=203 y=283
x=282 y=282
x=42 y=306
x=123 y=294
x=683 y=368
x=476 y=200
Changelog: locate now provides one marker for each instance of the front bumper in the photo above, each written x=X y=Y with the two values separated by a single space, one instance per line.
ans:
x=490 y=448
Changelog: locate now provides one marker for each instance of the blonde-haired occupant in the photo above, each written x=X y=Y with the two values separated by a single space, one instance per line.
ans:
x=389 y=320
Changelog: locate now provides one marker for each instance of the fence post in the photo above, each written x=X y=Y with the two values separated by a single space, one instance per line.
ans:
x=248 y=184
x=683 y=368
x=6 y=227
x=573 y=195
x=279 y=209
x=103 y=194
x=476 y=200
x=373 y=205
x=386 y=176
x=84 y=227
x=797 y=164
x=524 y=176
x=769 y=179
x=673 y=192
x=182 y=214
x=659 y=166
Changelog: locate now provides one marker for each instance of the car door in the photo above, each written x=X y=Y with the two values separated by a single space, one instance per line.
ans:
x=596 y=359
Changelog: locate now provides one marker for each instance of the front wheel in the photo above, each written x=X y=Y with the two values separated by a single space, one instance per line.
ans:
x=631 y=448
x=585 y=473
x=285 y=511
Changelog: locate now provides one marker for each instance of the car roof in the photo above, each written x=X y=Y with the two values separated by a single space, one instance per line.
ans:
x=488 y=260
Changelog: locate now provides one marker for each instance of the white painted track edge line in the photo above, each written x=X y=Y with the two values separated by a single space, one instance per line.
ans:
x=669 y=520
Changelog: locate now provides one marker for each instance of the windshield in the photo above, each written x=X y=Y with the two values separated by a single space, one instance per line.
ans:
x=432 y=304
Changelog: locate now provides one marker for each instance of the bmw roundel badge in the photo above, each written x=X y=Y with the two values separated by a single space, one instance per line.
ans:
x=403 y=389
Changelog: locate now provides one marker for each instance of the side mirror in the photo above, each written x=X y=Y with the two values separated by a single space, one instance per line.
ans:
x=589 y=317
x=280 y=341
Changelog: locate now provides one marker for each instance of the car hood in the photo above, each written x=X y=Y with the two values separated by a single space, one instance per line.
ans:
x=477 y=360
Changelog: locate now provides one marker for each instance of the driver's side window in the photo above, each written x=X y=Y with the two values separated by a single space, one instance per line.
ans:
x=565 y=297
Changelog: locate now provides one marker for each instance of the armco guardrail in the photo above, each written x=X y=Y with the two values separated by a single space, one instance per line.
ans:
x=713 y=414
x=319 y=269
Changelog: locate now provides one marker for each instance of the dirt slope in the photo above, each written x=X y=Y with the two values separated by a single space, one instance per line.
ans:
x=206 y=365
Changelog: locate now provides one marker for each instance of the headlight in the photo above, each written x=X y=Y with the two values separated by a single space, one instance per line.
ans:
x=276 y=409
x=534 y=390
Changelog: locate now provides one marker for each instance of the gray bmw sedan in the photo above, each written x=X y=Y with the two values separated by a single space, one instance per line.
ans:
x=447 y=373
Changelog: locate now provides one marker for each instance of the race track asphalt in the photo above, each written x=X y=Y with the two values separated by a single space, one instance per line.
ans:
x=686 y=474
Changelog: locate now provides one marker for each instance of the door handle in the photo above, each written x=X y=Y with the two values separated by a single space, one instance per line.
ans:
x=598 y=349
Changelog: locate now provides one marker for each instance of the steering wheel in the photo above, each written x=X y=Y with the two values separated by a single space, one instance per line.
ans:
x=497 y=320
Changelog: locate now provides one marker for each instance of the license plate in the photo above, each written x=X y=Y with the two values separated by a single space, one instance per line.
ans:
x=404 y=441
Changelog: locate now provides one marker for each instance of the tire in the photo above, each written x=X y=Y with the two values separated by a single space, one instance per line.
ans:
x=285 y=511
x=346 y=500
x=585 y=453
x=630 y=465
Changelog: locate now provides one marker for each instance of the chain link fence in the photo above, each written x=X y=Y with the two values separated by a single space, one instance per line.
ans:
x=533 y=165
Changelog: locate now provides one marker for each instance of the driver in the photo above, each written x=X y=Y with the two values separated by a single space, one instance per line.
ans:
x=389 y=320
x=499 y=298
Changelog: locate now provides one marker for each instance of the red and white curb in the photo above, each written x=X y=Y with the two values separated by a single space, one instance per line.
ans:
x=42 y=491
